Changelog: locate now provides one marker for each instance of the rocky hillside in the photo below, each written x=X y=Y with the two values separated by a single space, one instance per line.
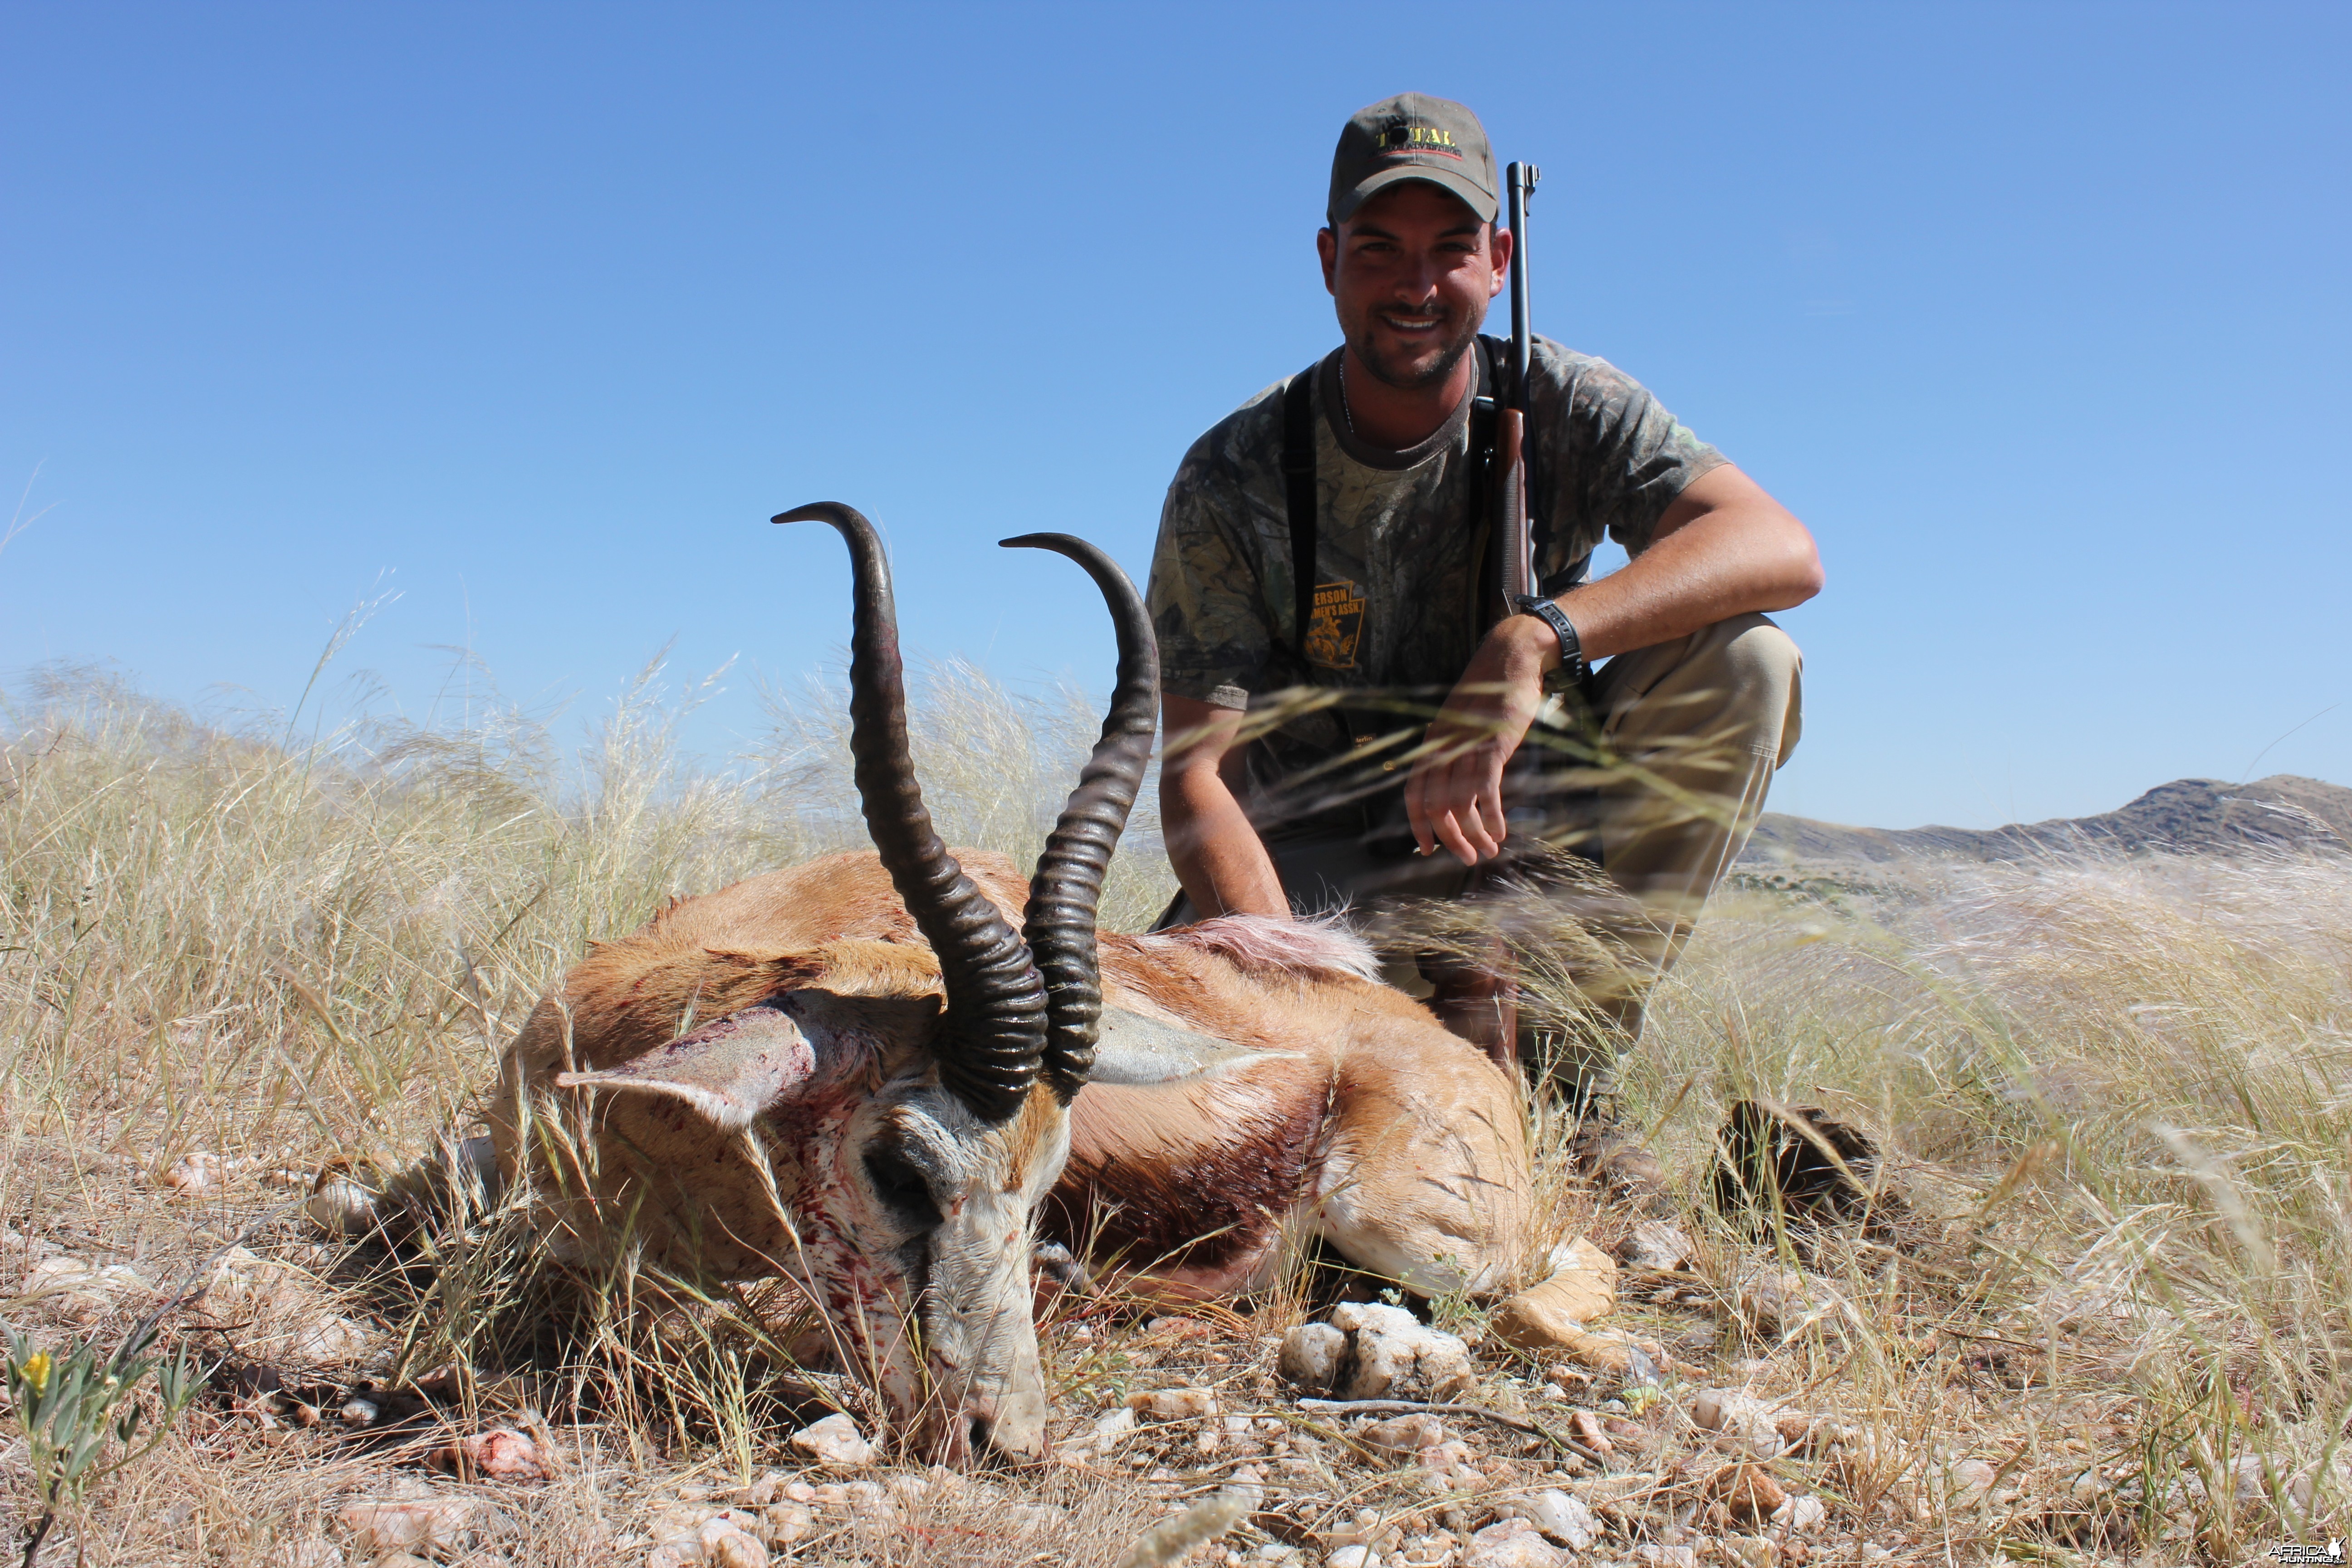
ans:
x=2185 y=817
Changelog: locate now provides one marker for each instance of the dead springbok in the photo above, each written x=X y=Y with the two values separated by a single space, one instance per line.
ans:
x=866 y=1074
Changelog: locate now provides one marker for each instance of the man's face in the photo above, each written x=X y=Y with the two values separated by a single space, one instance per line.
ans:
x=1411 y=273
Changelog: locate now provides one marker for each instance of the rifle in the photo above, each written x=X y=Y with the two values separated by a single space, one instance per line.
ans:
x=1507 y=492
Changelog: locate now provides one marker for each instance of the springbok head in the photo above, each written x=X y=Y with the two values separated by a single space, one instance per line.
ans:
x=904 y=1130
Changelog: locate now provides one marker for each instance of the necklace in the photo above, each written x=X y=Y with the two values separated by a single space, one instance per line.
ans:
x=1347 y=415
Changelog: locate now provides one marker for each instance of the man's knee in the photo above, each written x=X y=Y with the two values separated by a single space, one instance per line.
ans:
x=1765 y=671
x=1750 y=659
x=1736 y=684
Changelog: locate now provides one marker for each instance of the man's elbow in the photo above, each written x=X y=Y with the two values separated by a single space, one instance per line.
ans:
x=1806 y=577
x=1799 y=567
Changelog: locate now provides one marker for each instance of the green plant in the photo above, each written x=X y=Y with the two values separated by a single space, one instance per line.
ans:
x=73 y=1405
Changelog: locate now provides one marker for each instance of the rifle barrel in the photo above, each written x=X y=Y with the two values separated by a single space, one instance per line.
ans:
x=1521 y=179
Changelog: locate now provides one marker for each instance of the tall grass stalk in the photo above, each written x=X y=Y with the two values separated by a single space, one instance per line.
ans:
x=2118 y=1093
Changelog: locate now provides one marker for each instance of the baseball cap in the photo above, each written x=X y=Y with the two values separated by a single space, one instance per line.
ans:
x=1413 y=136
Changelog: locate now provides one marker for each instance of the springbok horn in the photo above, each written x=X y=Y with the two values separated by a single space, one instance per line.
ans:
x=1063 y=895
x=994 y=1031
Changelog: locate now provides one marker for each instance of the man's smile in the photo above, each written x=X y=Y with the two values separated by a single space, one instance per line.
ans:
x=1414 y=323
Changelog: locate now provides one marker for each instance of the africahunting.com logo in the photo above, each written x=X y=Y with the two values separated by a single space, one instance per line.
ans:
x=2296 y=1552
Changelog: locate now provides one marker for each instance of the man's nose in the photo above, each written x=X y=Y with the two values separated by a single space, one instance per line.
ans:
x=1416 y=285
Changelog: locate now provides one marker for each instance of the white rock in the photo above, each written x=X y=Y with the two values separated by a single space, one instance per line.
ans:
x=192 y=1171
x=1970 y=1481
x=1666 y=1556
x=1404 y=1436
x=1312 y=1355
x=782 y=1523
x=435 y=1523
x=32 y=1246
x=247 y=1285
x=1657 y=1245
x=1111 y=1428
x=1782 y=1301
x=1354 y=1557
x=692 y=1535
x=1801 y=1515
x=835 y=1440
x=1748 y=1550
x=1561 y=1516
x=341 y=1206
x=83 y=1289
x=727 y=1544
x=1397 y=1355
x=668 y=1521
x=1028 y=1518
x=1445 y=1457
x=1175 y=1404
x=1741 y=1422
x=329 y=1338
x=1513 y=1544
x=316 y=1553
x=865 y=1502
x=768 y=1488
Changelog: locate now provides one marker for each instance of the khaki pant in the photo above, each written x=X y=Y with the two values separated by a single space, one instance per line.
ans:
x=1700 y=725
x=1659 y=785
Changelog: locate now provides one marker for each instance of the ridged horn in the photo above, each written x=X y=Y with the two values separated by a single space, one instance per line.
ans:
x=1067 y=887
x=993 y=1036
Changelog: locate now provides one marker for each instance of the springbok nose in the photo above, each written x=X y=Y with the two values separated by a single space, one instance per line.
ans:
x=1005 y=1431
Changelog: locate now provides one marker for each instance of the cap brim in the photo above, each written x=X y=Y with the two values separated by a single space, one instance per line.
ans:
x=1482 y=203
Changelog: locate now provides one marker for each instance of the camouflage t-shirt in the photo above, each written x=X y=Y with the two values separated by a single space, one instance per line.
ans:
x=1395 y=575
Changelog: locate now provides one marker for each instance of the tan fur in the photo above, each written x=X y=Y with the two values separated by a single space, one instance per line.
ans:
x=1365 y=1122
x=1416 y=1165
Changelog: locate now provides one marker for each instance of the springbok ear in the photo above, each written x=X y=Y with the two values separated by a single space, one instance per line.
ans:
x=731 y=1069
x=1133 y=1052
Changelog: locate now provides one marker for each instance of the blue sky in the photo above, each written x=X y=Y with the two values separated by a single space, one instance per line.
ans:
x=533 y=314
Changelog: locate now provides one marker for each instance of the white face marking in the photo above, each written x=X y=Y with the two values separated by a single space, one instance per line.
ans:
x=909 y=1221
x=916 y=1215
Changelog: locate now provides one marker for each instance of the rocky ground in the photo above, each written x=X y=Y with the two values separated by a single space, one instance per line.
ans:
x=1691 y=1399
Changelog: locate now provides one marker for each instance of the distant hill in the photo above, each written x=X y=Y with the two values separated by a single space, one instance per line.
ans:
x=2185 y=817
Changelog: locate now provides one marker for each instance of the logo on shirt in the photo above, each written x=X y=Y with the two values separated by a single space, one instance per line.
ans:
x=1334 y=625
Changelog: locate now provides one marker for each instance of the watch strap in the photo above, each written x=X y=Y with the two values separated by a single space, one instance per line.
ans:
x=1571 y=646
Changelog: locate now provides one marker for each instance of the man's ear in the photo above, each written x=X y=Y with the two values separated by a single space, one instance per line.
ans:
x=1327 y=246
x=1499 y=242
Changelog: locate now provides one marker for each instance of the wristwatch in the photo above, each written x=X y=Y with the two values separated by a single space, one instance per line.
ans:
x=1572 y=649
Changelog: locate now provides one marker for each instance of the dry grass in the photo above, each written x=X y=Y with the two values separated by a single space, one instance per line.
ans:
x=2119 y=1096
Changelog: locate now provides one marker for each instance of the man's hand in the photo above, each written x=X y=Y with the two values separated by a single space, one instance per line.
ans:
x=1723 y=548
x=1455 y=796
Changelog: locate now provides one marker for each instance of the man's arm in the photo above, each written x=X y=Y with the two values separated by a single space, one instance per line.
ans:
x=1216 y=852
x=1723 y=548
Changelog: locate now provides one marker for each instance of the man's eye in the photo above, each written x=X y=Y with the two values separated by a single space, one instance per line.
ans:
x=902 y=1189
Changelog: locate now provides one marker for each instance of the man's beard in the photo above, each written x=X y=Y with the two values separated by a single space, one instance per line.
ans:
x=1390 y=374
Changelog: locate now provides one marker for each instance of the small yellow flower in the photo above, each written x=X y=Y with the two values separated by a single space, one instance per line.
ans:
x=36 y=1373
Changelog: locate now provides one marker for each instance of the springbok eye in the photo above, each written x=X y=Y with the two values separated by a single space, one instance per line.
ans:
x=903 y=1189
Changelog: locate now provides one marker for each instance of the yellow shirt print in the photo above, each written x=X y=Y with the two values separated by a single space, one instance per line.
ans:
x=1334 y=625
